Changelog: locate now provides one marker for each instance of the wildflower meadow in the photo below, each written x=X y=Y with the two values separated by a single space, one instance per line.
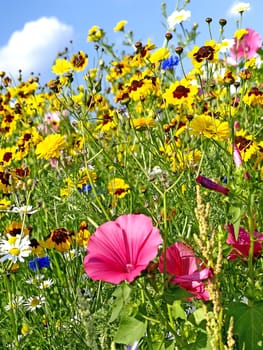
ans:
x=131 y=194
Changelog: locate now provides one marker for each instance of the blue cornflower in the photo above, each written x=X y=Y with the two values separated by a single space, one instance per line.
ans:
x=39 y=263
x=170 y=62
x=85 y=188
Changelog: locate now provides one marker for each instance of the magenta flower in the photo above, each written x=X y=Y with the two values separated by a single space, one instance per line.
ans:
x=186 y=269
x=242 y=244
x=211 y=185
x=247 y=46
x=119 y=250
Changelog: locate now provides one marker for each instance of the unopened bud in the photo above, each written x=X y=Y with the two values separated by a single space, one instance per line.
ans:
x=222 y=22
x=168 y=36
x=179 y=50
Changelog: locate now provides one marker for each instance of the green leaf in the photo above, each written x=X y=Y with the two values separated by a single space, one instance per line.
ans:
x=201 y=343
x=123 y=291
x=122 y=294
x=130 y=330
x=174 y=292
x=177 y=311
x=248 y=324
x=199 y=315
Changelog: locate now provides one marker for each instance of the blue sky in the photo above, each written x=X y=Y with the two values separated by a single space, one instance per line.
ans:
x=32 y=32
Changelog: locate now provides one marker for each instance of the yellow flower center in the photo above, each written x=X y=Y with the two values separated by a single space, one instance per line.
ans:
x=14 y=251
x=34 y=302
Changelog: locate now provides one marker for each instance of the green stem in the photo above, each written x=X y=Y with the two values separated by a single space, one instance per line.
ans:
x=251 y=274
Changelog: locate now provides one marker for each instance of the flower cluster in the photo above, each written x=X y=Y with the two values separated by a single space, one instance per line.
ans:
x=130 y=194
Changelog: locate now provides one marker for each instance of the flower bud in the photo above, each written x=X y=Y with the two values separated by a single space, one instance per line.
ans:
x=222 y=22
x=179 y=50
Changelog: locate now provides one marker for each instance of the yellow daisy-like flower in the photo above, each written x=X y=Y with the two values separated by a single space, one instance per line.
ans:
x=253 y=97
x=209 y=127
x=206 y=53
x=95 y=33
x=118 y=188
x=7 y=155
x=79 y=61
x=246 y=144
x=159 y=55
x=6 y=180
x=180 y=92
x=106 y=120
x=142 y=123
x=4 y=204
x=240 y=33
x=59 y=239
x=61 y=66
x=51 y=146
x=120 y=26
x=83 y=235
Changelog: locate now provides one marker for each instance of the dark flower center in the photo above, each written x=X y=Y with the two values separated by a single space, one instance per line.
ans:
x=205 y=52
x=181 y=91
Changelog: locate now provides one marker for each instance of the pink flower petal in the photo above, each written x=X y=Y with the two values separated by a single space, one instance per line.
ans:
x=186 y=268
x=119 y=250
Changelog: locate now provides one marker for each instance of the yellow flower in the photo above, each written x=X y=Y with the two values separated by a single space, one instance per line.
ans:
x=180 y=93
x=79 y=61
x=61 y=66
x=240 y=33
x=95 y=33
x=4 y=204
x=7 y=155
x=118 y=188
x=206 y=53
x=51 y=146
x=120 y=26
x=247 y=145
x=253 y=97
x=25 y=329
x=60 y=239
x=142 y=123
x=209 y=127
x=83 y=235
x=159 y=55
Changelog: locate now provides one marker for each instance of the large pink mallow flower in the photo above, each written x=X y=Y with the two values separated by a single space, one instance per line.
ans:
x=186 y=269
x=241 y=245
x=120 y=250
x=247 y=46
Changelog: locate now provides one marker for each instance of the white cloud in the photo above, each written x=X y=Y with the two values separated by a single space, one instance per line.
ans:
x=34 y=48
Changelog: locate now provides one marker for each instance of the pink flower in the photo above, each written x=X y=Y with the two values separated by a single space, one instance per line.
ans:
x=211 y=185
x=242 y=244
x=237 y=156
x=187 y=269
x=119 y=250
x=247 y=46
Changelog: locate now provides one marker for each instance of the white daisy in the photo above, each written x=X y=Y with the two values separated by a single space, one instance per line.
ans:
x=25 y=209
x=35 y=280
x=15 y=248
x=14 y=303
x=239 y=7
x=34 y=302
x=178 y=17
x=46 y=284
